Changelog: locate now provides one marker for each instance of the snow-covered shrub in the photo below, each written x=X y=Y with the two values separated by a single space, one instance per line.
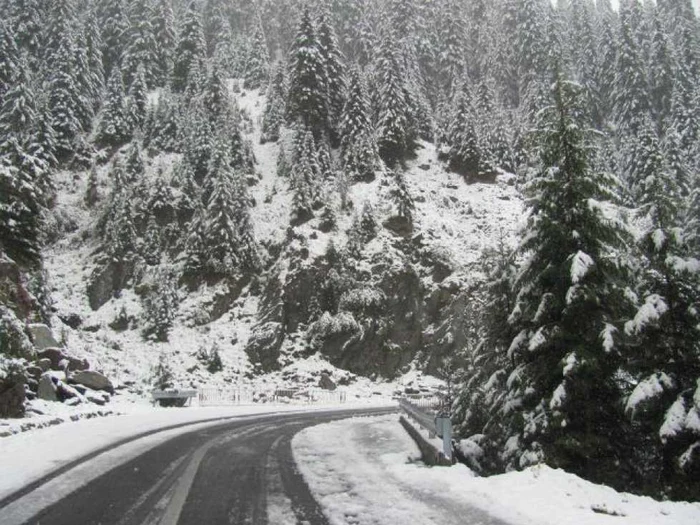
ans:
x=362 y=301
x=13 y=340
x=211 y=358
x=329 y=326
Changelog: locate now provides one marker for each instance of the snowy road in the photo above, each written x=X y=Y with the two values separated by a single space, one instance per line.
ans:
x=239 y=472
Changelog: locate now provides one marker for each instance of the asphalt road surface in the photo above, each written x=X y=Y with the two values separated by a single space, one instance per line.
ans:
x=238 y=473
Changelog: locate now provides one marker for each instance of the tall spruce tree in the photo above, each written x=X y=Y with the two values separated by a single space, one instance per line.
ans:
x=114 y=129
x=190 y=52
x=307 y=97
x=335 y=72
x=569 y=300
x=164 y=29
x=257 y=68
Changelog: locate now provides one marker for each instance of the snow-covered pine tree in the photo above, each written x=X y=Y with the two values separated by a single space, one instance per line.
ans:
x=273 y=117
x=137 y=102
x=9 y=58
x=27 y=25
x=335 y=73
x=631 y=89
x=570 y=296
x=113 y=128
x=664 y=354
x=307 y=97
x=141 y=45
x=20 y=213
x=660 y=71
x=465 y=154
x=164 y=29
x=395 y=139
x=114 y=22
x=402 y=197
x=164 y=133
x=160 y=306
x=358 y=147
x=134 y=167
x=305 y=177
x=120 y=235
x=257 y=68
x=191 y=48
x=95 y=81
x=198 y=142
x=227 y=233
x=216 y=100
x=151 y=246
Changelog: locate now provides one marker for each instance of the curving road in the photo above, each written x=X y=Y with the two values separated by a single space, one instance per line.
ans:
x=239 y=472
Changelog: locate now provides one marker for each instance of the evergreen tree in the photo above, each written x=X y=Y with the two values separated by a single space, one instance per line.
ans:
x=273 y=117
x=395 y=139
x=95 y=73
x=141 y=49
x=27 y=25
x=164 y=133
x=120 y=235
x=358 y=147
x=114 y=22
x=569 y=298
x=226 y=233
x=137 y=105
x=402 y=197
x=164 y=30
x=20 y=217
x=335 y=72
x=114 y=129
x=9 y=58
x=191 y=48
x=307 y=98
x=466 y=155
x=631 y=92
x=216 y=100
x=305 y=178
x=160 y=306
x=665 y=331
x=257 y=69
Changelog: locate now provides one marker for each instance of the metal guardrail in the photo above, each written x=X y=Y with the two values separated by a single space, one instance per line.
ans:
x=436 y=424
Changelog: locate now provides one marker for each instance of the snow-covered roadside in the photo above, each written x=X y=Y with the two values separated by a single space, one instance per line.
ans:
x=366 y=470
x=31 y=455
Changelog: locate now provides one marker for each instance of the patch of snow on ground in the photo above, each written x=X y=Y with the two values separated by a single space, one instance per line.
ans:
x=365 y=470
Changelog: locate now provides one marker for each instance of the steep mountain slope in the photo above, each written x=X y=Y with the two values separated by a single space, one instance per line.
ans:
x=270 y=325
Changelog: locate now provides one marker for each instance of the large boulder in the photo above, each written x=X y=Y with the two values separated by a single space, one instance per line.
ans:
x=264 y=345
x=41 y=336
x=47 y=388
x=58 y=359
x=93 y=380
x=107 y=280
x=55 y=356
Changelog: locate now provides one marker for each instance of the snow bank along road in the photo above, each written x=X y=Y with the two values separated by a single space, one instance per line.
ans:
x=238 y=472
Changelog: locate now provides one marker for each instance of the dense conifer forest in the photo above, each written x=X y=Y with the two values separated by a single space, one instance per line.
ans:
x=575 y=341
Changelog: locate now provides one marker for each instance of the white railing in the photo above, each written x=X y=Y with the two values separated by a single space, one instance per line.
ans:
x=242 y=396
